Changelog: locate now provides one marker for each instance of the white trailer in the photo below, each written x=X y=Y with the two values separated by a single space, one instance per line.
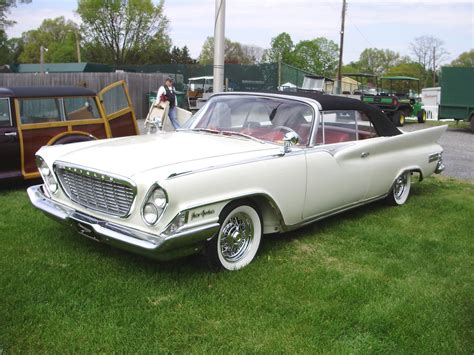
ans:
x=431 y=98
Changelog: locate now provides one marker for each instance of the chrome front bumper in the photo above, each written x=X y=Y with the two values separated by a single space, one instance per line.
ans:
x=184 y=242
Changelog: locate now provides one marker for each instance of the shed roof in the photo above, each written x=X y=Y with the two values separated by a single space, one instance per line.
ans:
x=45 y=91
x=399 y=77
x=63 y=68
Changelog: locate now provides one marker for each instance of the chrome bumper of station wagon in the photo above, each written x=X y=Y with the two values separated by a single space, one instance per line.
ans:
x=184 y=242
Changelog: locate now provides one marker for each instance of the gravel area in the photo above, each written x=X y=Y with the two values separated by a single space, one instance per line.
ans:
x=458 y=145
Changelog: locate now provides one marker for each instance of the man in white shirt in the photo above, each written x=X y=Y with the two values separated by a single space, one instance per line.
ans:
x=167 y=92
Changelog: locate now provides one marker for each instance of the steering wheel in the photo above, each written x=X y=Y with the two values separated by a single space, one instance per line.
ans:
x=288 y=129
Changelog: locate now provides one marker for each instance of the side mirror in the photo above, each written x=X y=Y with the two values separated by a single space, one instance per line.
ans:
x=290 y=138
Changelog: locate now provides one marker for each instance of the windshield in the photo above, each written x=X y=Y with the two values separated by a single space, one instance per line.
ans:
x=263 y=118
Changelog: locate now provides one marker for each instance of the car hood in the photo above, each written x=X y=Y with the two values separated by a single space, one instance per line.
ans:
x=176 y=152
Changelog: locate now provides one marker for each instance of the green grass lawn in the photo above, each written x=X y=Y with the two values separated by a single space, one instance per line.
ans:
x=376 y=279
x=451 y=124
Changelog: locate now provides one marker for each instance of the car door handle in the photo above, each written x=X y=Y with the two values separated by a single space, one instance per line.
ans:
x=364 y=154
x=10 y=134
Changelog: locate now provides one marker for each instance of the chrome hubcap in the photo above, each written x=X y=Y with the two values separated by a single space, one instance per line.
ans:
x=399 y=187
x=236 y=237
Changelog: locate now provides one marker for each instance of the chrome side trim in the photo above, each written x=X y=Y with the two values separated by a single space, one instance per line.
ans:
x=434 y=157
x=248 y=161
x=333 y=212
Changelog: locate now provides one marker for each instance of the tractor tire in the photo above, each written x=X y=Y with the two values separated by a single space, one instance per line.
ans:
x=421 y=116
x=398 y=118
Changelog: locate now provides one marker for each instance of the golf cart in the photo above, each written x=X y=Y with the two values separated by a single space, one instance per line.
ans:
x=312 y=83
x=199 y=89
x=399 y=100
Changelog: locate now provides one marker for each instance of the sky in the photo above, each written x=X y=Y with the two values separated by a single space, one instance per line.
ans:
x=384 y=24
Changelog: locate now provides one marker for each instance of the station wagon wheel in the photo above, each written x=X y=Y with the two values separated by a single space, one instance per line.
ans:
x=400 y=189
x=237 y=242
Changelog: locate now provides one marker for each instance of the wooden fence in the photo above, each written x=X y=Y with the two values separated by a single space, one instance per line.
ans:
x=139 y=84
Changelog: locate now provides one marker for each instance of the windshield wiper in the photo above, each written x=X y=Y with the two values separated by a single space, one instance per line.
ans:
x=226 y=133
x=232 y=133
x=209 y=130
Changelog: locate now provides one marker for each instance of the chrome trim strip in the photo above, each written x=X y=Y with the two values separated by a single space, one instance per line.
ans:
x=333 y=212
x=248 y=161
x=434 y=157
x=9 y=111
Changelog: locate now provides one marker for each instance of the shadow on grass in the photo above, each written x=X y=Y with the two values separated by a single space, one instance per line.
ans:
x=130 y=263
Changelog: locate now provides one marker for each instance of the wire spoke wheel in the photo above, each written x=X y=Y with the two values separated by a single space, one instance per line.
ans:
x=400 y=189
x=236 y=237
x=238 y=240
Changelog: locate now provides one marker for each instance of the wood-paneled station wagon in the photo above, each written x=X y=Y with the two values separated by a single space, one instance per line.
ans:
x=31 y=117
x=244 y=165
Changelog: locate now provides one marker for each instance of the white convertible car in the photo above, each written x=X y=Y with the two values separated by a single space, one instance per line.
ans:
x=245 y=165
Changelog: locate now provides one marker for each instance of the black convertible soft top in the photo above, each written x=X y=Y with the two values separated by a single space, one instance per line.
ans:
x=45 y=91
x=382 y=124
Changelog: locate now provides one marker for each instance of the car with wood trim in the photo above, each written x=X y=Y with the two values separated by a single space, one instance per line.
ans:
x=244 y=166
x=31 y=117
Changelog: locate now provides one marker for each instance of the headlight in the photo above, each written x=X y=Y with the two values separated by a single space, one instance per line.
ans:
x=47 y=175
x=154 y=205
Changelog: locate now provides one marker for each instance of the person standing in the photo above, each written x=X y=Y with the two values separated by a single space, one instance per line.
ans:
x=167 y=92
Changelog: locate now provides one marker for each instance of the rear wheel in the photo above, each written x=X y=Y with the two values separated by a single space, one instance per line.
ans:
x=398 y=118
x=472 y=123
x=238 y=240
x=421 y=116
x=400 y=190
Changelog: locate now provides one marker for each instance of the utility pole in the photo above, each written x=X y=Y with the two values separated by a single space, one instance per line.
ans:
x=434 y=65
x=42 y=50
x=78 y=47
x=341 y=48
x=219 y=40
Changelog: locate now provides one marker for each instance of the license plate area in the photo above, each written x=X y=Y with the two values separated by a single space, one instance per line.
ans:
x=86 y=230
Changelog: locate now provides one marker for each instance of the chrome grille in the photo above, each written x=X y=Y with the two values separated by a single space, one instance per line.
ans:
x=95 y=190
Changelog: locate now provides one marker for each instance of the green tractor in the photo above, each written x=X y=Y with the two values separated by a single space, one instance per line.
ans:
x=399 y=100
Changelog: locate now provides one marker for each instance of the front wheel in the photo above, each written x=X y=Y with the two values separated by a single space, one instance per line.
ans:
x=400 y=190
x=238 y=240
x=421 y=116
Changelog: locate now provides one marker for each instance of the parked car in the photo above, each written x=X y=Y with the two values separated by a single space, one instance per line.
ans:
x=31 y=117
x=244 y=165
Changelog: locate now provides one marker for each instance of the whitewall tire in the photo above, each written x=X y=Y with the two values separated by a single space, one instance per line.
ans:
x=238 y=240
x=400 y=189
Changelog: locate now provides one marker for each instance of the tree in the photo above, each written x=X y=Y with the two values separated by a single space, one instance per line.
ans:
x=233 y=53
x=465 y=59
x=254 y=53
x=5 y=6
x=57 y=35
x=6 y=53
x=377 y=61
x=124 y=30
x=181 y=56
x=427 y=49
x=318 y=56
x=281 y=48
x=428 y=52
